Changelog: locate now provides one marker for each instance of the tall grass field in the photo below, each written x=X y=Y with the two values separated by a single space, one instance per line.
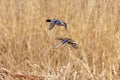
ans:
x=27 y=46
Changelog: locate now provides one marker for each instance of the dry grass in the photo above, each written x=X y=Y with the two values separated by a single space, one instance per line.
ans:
x=7 y=75
x=28 y=47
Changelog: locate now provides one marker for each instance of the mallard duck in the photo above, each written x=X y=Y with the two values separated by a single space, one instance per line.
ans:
x=67 y=41
x=56 y=22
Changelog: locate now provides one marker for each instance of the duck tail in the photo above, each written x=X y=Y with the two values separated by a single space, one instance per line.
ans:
x=48 y=20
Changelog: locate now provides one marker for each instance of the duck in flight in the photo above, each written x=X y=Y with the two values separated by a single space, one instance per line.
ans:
x=67 y=41
x=56 y=22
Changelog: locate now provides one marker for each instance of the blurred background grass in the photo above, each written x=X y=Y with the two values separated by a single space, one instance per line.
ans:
x=27 y=46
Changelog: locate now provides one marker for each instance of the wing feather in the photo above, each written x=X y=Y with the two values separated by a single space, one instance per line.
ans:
x=52 y=24
x=65 y=26
x=61 y=43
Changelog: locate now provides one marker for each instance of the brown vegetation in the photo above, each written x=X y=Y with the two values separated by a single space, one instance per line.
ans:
x=7 y=75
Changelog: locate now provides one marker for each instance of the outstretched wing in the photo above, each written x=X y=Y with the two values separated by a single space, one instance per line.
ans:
x=63 y=42
x=65 y=26
x=52 y=24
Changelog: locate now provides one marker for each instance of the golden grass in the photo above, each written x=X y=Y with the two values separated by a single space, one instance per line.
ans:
x=7 y=75
x=27 y=46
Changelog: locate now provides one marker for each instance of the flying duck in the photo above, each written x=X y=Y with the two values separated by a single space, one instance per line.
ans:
x=67 y=41
x=56 y=22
